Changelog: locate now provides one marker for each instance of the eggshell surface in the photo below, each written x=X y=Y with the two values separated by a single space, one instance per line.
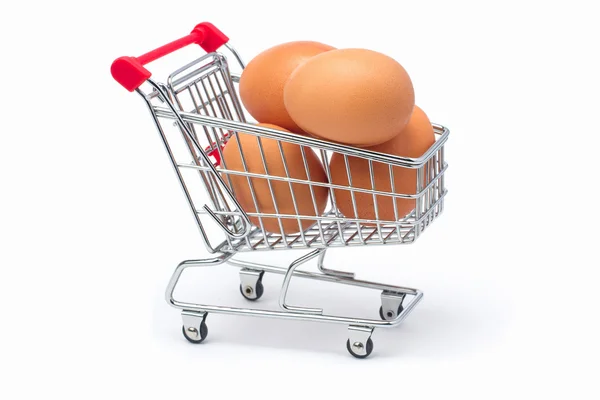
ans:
x=351 y=96
x=414 y=140
x=262 y=81
x=281 y=189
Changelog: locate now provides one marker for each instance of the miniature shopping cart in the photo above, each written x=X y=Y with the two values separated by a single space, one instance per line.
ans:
x=196 y=112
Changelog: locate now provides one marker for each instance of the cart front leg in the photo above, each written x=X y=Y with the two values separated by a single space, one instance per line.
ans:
x=286 y=284
x=220 y=259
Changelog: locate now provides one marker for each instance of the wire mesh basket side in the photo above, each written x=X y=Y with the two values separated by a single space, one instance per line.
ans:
x=190 y=144
x=283 y=199
x=204 y=87
x=332 y=227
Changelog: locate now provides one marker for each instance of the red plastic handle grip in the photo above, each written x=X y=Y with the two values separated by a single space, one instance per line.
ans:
x=130 y=71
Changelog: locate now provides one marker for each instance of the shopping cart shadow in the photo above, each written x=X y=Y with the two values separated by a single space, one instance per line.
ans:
x=431 y=333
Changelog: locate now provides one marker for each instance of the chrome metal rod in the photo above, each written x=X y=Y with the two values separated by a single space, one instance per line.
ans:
x=328 y=217
x=418 y=195
x=286 y=284
x=236 y=55
x=251 y=312
x=275 y=134
x=177 y=116
x=220 y=259
x=333 y=272
x=323 y=277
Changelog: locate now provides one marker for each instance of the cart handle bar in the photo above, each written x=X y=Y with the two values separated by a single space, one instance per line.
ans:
x=130 y=71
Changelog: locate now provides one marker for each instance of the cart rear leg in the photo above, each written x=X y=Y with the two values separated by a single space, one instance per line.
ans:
x=332 y=272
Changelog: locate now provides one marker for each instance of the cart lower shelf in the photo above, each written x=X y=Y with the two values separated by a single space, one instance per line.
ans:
x=394 y=307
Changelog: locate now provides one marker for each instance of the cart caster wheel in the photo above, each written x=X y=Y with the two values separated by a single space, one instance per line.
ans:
x=358 y=346
x=256 y=292
x=391 y=305
x=389 y=315
x=251 y=287
x=192 y=334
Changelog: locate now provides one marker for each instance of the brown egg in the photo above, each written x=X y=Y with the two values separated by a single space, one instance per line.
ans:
x=263 y=79
x=413 y=142
x=281 y=189
x=352 y=96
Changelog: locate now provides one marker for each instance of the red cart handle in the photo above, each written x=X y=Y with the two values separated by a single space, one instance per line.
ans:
x=130 y=71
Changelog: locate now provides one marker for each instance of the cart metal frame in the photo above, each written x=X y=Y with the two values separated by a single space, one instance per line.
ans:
x=201 y=98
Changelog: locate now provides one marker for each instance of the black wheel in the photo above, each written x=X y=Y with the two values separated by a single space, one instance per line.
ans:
x=248 y=291
x=369 y=349
x=389 y=317
x=195 y=338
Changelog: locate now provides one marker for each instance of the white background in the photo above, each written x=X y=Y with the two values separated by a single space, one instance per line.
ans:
x=93 y=222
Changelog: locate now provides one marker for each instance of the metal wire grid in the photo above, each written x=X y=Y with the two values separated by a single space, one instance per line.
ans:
x=332 y=229
x=204 y=87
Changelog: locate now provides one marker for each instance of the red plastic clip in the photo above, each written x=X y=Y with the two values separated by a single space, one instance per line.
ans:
x=214 y=153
